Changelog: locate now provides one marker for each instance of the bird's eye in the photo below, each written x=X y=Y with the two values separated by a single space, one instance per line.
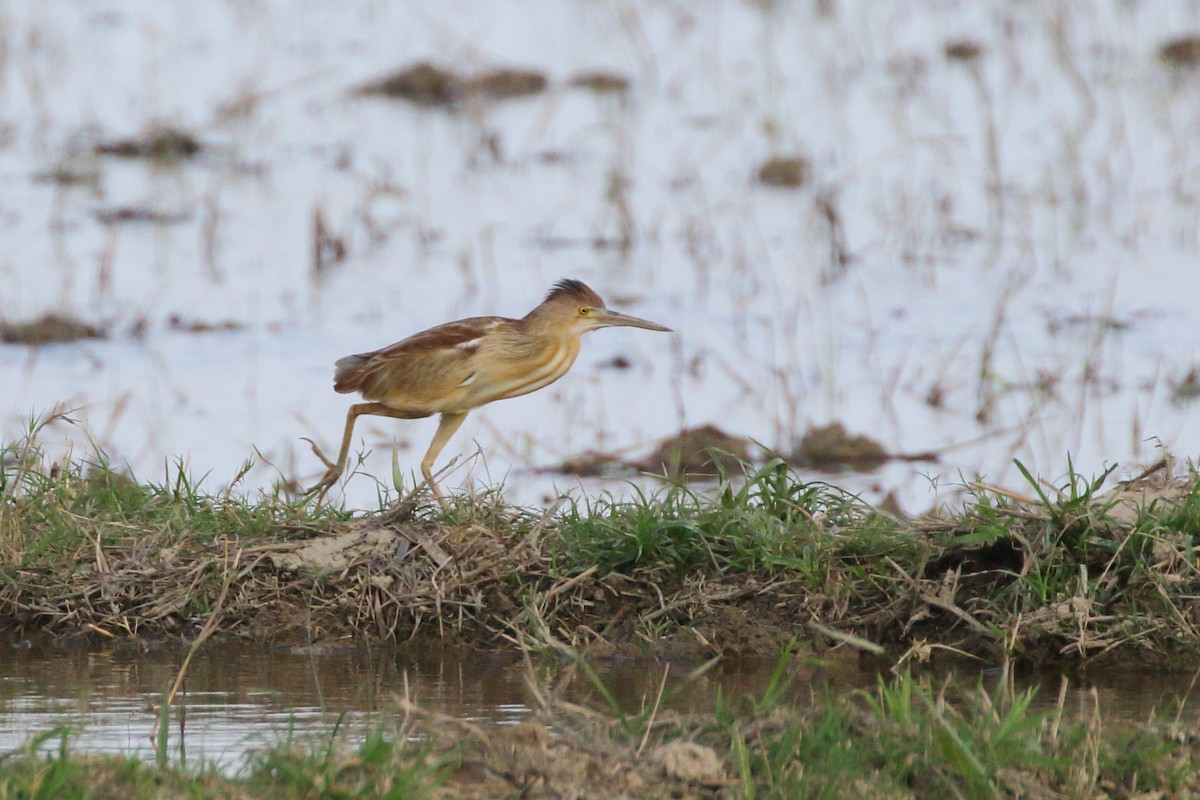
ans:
x=584 y=311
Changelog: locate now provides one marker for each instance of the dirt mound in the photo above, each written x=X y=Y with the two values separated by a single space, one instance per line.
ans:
x=831 y=448
x=48 y=329
x=427 y=84
x=706 y=450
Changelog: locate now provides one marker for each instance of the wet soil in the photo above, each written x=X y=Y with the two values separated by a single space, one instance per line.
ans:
x=708 y=452
x=159 y=144
x=430 y=85
x=831 y=447
x=789 y=172
x=1181 y=52
x=49 y=329
x=602 y=82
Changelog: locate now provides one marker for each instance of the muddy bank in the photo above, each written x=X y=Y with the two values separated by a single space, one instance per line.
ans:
x=1080 y=577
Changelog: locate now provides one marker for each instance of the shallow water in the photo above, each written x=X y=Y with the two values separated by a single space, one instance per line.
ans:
x=240 y=698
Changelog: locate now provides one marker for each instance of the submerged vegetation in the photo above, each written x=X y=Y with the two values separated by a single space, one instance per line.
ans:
x=1067 y=575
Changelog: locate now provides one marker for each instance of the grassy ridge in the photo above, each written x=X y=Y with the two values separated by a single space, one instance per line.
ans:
x=1066 y=574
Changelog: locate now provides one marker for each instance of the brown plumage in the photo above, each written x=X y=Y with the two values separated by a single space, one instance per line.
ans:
x=453 y=368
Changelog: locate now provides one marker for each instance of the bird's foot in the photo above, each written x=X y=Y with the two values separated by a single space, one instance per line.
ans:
x=434 y=489
x=332 y=473
x=327 y=480
x=317 y=452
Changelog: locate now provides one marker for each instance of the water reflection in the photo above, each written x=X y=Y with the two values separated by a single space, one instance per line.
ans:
x=238 y=697
x=241 y=697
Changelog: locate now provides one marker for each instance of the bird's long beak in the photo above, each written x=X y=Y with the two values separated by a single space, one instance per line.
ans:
x=614 y=319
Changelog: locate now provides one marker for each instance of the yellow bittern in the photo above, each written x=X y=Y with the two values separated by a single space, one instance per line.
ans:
x=458 y=366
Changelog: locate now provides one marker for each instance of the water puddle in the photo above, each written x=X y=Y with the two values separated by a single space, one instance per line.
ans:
x=239 y=698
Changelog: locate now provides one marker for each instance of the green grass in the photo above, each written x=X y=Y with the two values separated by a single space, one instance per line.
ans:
x=766 y=521
x=51 y=512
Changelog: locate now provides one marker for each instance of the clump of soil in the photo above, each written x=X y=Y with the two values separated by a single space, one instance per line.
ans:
x=566 y=751
x=616 y=362
x=423 y=84
x=601 y=82
x=789 y=172
x=49 y=329
x=830 y=447
x=159 y=144
x=502 y=84
x=706 y=451
x=1182 y=51
x=965 y=50
x=178 y=323
x=701 y=452
x=593 y=464
x=427 y=84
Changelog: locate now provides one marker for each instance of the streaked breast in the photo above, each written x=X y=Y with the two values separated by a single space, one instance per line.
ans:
x=501 y=377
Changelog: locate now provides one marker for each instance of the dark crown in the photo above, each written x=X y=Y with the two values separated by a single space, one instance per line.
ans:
x=576 y=291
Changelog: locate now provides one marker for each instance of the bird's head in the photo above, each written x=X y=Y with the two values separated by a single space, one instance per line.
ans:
x=573 y=307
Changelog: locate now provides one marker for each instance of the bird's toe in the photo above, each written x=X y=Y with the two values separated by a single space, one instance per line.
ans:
x=317 y=452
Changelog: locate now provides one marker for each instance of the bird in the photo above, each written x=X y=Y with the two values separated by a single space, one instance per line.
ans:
x=459 y=366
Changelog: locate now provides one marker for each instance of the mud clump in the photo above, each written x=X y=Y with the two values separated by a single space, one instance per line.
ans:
x=742 y=632
x=689 y=762
x=177 y=322
x=565 y=752
x=830 y=447
x=49 y=329
x=789 y=172
x=963 y=50
x=502 y=84
x=159 y=144
x=601 y=82
x=703 y=451
x=423 y=84
x=1182 y=52
x=426 y=84
x=593 y=464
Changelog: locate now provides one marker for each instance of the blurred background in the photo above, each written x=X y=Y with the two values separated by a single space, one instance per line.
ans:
x=965 y=231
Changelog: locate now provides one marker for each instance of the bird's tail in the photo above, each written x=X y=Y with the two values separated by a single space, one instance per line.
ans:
x=346 y=372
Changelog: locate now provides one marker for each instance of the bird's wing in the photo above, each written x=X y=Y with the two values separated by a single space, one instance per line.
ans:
x=419 y=373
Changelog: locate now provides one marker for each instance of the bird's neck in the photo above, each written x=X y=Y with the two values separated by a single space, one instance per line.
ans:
x=543 y=327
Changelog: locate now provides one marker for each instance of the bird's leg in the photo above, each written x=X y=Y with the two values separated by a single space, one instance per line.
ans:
x=446 y=428
x=334 y=470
